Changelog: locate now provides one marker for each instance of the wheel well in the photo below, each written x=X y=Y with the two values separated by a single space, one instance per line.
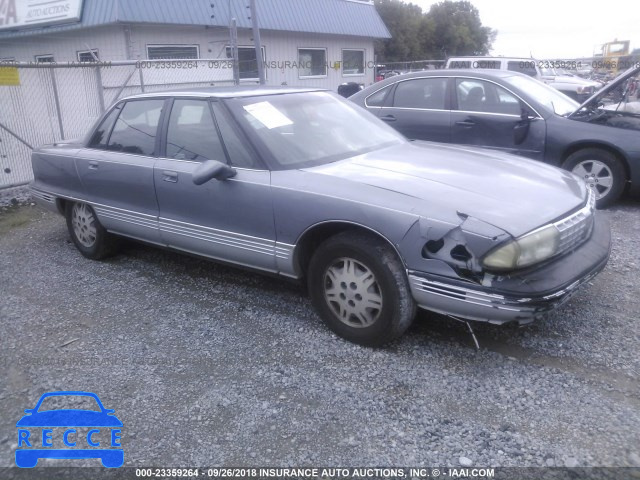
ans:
x=312 y=238
x=581 y=146
x=61 y=204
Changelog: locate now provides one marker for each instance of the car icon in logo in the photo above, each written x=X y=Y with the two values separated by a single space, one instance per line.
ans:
x=48 y=431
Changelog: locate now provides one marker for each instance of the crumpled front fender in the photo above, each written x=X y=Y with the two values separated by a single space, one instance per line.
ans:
x=452 y=247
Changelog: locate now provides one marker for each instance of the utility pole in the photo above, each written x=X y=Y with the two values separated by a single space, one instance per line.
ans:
x=256 y=41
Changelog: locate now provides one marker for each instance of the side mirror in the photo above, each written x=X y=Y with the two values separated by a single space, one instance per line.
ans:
x=28 y=410
x=212 y=169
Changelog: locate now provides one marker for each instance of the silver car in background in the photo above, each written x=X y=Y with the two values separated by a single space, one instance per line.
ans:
x=303 y=184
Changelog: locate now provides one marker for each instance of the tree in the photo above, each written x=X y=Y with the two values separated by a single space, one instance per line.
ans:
x=458 y=30
x=405 y=22
x=449 y=28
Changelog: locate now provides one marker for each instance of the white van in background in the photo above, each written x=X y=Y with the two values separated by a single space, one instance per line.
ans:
x=575 y=87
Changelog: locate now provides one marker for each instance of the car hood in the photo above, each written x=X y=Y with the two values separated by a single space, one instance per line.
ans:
x=512 y=193
x=574 y=80
x=69 y=418
x=594 y=99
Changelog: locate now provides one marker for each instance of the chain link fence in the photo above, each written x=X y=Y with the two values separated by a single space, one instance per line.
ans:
x=44 y=103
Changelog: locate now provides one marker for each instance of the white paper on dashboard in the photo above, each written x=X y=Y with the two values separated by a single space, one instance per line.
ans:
x=268 y=115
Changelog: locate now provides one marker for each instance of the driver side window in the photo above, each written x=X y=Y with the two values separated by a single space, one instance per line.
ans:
x=479 y=96
x=191 y=134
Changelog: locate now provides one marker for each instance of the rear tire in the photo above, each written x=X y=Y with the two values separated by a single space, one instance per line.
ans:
x=601 y=170
x=88 y=235
x=360 y=288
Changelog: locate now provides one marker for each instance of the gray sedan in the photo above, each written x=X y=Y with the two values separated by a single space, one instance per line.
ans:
x=303 y=184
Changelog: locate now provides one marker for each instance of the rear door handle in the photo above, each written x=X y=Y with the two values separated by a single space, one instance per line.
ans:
x=169 y=176
x=466 y=123
x=388 y=118
x=93 y=165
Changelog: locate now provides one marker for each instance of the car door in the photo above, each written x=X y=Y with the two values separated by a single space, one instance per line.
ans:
x=487 y=115
x=116 y=168
x=419 y=109
x=229 y=220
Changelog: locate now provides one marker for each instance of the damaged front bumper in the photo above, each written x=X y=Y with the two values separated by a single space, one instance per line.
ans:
x=519 y=296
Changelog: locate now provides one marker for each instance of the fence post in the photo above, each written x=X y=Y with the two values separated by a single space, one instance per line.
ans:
x=234 y=51
x=141 y=80
x=16 y=136
x=126 y=82
x=56 y=98
x=100 y=88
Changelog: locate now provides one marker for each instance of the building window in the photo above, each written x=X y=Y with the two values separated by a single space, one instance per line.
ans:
x=247 y=62
x=88 y=56
x=352 y=62
x=312 y=62
x=160 y=52
x=44 y=59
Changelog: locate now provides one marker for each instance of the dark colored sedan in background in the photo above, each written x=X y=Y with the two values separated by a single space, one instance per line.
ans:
x=514 y=113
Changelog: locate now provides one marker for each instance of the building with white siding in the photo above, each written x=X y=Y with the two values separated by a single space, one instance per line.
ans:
x=319 y=43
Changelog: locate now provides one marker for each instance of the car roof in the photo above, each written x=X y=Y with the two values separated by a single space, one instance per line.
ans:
x=465 y=72
x=472 y=57
x=226 y=92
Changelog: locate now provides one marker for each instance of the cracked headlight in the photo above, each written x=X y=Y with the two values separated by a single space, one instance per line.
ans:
x=524 y=251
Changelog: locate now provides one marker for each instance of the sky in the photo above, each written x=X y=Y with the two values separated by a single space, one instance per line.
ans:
x=550 y=29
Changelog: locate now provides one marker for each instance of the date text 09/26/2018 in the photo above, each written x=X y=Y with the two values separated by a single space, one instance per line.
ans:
x=315 y=473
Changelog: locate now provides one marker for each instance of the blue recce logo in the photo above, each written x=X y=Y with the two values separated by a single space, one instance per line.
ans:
x=32 y=447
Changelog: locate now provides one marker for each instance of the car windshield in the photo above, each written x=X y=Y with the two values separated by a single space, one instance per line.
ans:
x=548 y=72
x=312 y=128
x=69 y=402
x=551 y=98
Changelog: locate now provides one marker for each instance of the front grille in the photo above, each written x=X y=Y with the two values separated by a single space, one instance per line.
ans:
x=576 y=228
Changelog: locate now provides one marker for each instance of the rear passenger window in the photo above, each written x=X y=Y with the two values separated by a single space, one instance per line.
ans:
x=192 y=135
x=428 y=93
x=136 y=127
x=100 y=136
x=239 y=155
x=377 y=99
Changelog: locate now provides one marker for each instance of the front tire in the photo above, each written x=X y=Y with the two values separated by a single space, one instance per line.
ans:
x=601 y=170
x=359 y=287
x=88 y=235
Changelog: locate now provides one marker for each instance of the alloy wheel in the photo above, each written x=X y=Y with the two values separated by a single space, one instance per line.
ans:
x=352 y=291
x=598 y=176
x=83 y=221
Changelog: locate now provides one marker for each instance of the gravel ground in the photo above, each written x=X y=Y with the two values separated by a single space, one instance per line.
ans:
x=207 y=365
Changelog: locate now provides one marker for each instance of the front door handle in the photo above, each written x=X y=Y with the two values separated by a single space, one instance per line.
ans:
x=93 y=165
x=466 y=123
x=169 y=176
x=388 y=118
